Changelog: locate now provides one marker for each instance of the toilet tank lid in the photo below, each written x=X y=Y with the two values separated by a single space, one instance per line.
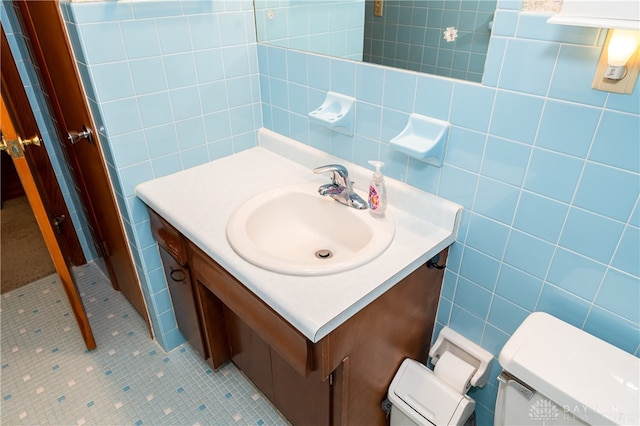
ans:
x=597 y=381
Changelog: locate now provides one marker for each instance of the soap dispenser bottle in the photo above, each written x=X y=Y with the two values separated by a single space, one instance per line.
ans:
x=377 y=191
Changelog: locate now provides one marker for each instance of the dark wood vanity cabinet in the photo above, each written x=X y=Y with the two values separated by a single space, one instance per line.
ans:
x=340 y=380
x=277 y=358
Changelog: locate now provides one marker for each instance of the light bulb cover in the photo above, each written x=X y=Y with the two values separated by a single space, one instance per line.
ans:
x=622 y=45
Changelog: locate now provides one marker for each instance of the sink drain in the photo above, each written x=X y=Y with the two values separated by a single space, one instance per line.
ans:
x=324 y=254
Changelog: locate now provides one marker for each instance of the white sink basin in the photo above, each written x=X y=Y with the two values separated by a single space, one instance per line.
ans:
x=294 y=230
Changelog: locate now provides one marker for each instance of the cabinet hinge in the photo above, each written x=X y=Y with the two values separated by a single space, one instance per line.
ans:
x=331 y=379
x=433 y=262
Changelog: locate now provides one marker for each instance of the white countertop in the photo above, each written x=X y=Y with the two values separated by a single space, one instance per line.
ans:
x=198 y=202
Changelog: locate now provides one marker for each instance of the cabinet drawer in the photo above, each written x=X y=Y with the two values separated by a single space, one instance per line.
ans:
x=168 y=237
x=292 y=345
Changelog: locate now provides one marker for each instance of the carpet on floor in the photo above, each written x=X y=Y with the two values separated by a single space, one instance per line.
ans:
x=24 y=257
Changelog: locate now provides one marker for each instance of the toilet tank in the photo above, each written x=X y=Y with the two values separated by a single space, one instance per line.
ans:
x=593 y=380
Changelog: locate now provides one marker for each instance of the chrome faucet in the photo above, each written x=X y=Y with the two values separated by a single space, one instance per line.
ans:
x=341 y=187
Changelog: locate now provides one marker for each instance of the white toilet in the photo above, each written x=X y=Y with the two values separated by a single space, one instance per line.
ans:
x=556 y=374
x=420 y=396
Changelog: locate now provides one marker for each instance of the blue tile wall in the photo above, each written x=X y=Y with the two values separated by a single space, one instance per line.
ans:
x=45 y=122
x=172 y=84
x=330 y=27
x=546 y=168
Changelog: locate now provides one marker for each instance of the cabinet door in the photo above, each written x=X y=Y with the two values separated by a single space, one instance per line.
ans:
x=183 y=301
x=369 y=347
x=302 y=400
x=250 y=353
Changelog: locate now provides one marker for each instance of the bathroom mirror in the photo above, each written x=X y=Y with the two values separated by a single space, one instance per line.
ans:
x=446 y=37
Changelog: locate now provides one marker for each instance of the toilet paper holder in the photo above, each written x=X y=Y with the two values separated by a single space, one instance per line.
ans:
x=471 y=353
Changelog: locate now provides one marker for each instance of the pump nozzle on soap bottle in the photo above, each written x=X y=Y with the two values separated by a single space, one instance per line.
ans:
x=377 y=191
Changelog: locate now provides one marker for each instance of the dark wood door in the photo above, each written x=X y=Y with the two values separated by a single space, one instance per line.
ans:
x=44 y=28
x=21 y=140
x=52 y=195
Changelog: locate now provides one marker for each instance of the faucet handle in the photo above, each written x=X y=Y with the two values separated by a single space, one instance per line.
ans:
x=337 y=168
x=337 y=171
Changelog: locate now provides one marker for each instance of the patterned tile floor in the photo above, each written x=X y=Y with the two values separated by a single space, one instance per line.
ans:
x=48 y=376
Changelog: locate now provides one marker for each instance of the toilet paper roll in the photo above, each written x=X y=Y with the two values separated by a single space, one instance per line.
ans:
x=454 y=371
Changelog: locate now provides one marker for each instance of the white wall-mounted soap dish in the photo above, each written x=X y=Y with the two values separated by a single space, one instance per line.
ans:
x=337 y=112
x=423 y=138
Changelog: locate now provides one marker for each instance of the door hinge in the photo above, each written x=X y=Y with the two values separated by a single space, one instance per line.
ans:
x=56 y=222
x=104 y=248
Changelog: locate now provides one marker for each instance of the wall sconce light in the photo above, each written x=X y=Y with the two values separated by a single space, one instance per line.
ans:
x=622 y=45
x=619 y=63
